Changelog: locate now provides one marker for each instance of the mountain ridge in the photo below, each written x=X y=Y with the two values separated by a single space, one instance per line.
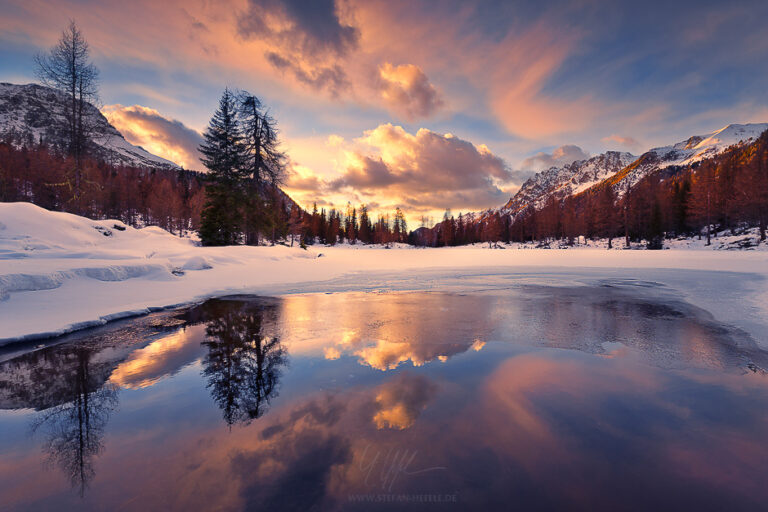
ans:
x=28 y=114
x=605 y=169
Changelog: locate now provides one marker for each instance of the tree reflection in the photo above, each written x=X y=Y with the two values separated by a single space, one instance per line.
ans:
x=243 y=364
x=75 y=428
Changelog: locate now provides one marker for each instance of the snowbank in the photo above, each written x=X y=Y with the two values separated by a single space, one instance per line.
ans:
x=60 y=272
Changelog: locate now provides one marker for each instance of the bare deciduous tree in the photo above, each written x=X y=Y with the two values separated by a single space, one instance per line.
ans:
x=67 y=68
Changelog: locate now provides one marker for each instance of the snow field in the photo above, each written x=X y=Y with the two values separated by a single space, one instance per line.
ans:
x=60 y=272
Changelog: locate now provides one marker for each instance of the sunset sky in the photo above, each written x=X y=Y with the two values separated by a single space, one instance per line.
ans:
x=422 y=105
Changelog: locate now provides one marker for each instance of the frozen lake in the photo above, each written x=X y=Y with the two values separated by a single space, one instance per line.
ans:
x=613 y=396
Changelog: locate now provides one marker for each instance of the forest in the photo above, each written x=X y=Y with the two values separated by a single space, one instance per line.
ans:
x=134 y=195
x=172 y=200
x=727 y=192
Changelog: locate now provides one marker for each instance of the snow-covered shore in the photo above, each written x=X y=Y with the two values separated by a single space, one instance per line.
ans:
x=60 y=272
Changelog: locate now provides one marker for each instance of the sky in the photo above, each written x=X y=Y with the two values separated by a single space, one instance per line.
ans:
x=426 y=106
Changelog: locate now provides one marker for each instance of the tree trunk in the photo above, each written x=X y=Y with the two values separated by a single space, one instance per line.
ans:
x=709 y=224
x=626 y=217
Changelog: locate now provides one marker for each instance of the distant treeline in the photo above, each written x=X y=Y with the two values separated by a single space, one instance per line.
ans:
x=729 y=191
x=352 y=226
x=137 y=196
x=173 y=200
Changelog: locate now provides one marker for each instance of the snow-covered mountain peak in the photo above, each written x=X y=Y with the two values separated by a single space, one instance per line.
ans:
x=30 y=113
x=732 y=134
x=567 y=180
x=691 y=150
x=699 y=147
x=620 y=170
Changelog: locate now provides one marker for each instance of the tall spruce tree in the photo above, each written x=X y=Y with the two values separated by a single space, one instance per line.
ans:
x=224 y=154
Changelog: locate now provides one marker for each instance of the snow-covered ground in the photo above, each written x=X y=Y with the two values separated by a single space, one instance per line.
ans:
x=60 y=272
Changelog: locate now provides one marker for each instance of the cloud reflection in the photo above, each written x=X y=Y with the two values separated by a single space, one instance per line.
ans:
x=159 y=360
x=401 y=400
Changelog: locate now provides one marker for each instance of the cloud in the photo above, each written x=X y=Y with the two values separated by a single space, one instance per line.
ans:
x=167 y=138
x=423 y=170
x=302 y=178
x=423 y=173
x=311 y=28
x=407 y=91
x=304 y=38
x=331 y=78
x=625 y=142
x=561 y=156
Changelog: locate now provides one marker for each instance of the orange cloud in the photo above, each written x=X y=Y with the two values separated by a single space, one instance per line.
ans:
x=408 y=92
x=508 y=76
x=560 y=156
x=624 y=142
x=164 y=137
x=159 y=360
x=423 y=170
x=305 y=39
x=400 y=401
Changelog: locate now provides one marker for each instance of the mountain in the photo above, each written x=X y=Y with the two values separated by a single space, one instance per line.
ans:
x=567 y=180
x=31 y=112
x=694 y=149
x=621 y=169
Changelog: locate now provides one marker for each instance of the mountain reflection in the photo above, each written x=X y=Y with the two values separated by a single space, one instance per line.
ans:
x=67 y=386
x=244 y=361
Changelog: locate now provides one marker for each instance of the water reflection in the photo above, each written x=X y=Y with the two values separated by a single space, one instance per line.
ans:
x=244 y=360
x=68 y=388
x=74 y=429
x=530 y=398
x=400 y=401
x=161 y=359
x=73 y=387
x=385 y=332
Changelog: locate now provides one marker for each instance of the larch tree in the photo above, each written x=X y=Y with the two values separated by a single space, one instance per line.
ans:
x=606 y=214
x=67 y=67
x=264 y=164
x=703 y=197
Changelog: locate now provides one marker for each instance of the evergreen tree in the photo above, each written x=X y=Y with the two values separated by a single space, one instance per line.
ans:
x=365 y=233
x=224 y=154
